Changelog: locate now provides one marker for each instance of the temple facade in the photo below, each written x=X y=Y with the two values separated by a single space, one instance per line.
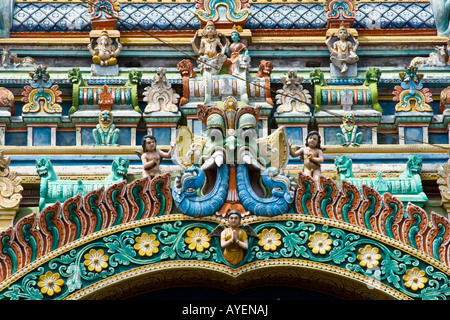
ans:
x=230 y=144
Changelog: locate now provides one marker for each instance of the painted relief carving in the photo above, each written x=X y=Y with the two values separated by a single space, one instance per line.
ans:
x=11 y=190
x=437 y=59
x=411 y=95
x=293 y=98
x=160 y=96
x=106 y=133
x=41 y=96
x=349 y=135
x=105 y=51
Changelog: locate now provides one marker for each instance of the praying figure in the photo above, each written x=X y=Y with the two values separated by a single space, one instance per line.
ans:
x=343 y=52
x=104 y=53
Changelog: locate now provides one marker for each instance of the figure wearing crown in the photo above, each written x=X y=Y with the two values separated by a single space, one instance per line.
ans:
x=343 y=51
x=211 y=50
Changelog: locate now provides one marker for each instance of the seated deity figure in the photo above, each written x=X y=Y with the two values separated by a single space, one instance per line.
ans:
x=105 y=133
x=211 y=50
x=349 y=137
x=104 y=53
x=235 y=49
x=343 y=52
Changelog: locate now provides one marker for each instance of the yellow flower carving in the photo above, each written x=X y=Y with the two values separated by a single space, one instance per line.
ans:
x=368 y=256
x=197 y=239
x=50 y=283
x=415 y=279
x=319 y=243
x=96 y=260
x=146 y=245
x=269 y=239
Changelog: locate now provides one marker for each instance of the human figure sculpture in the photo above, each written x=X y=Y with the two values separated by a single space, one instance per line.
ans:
x=106 y=133
x=104 y=53
x=236 y=49
x=348 y=135
x=343 y=52
x=151 y=157
x=211 y=50
x=234 y=240
x=311 y=155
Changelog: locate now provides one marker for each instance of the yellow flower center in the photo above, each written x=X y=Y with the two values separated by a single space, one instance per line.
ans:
x=50 y=282
x=369 y=257
x=198 y=239
x=95 y=260
x=320 y=243
x=269 y=240
x=415 y=279
x=146 y=244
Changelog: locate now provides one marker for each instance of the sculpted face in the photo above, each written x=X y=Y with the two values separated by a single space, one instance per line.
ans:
x=313 y=141
x=234 y=220
x=150 y=144
x=235 y=36
x=210 y=30
x=342 y=34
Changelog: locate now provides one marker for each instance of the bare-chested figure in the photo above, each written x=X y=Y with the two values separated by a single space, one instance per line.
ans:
x=343 y=52
x=311 y=155
x=151 y=158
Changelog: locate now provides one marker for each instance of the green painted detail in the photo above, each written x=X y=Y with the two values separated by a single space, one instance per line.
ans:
x=326 y=200
x=74 y=218
x=118 y=206
x=139 y=201
x=7 y=250
x=30 y=240
x=160 y=196
x=52 y=229
x=370 y=211
x=306 y=197
x=295 y=243
x=96 y=210
x=414 y=229
x=347 y=206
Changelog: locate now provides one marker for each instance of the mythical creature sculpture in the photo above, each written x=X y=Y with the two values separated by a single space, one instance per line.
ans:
x=349 y=135
x=212 y=163
x=372 y=77
x=105 y=53
x=53 y=189
x=407 y=187
x=186 y=69
x=106 y=133
x=119 y=169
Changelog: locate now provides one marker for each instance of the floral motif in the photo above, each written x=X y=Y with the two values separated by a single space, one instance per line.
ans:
x=415 y=279
x=50 y=283
x=197 y=239
x=269 y=239
x=368 y=256
x=96 y=260
x=146 y=245
x=319 y=243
